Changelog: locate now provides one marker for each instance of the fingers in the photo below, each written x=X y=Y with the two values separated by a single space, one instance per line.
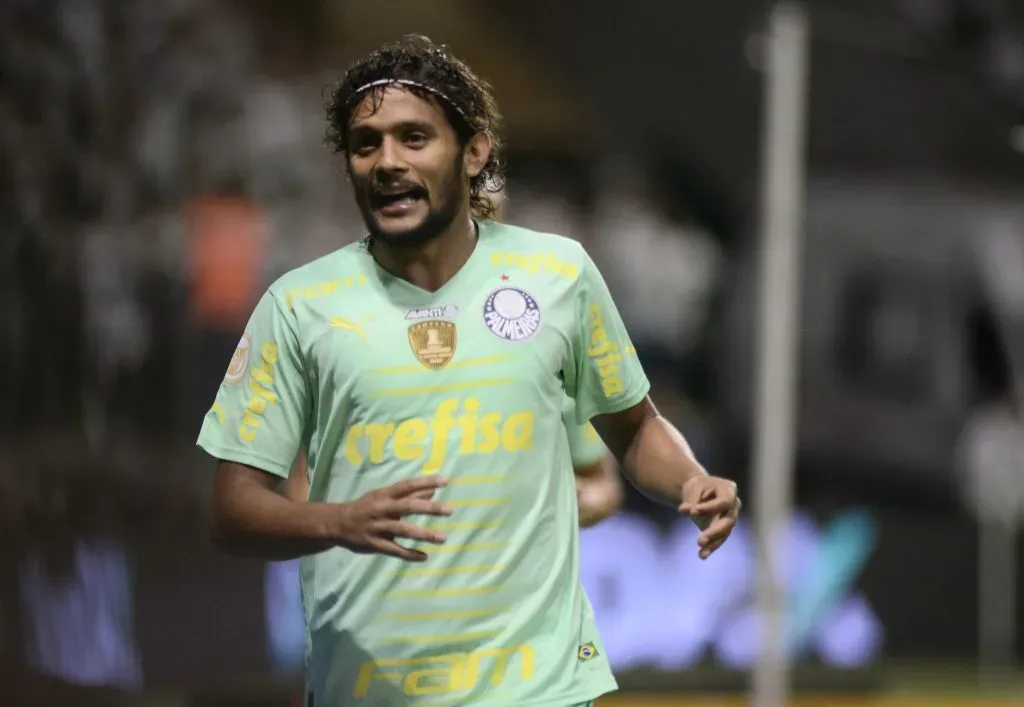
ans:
x=415 y=485
x=693 y=500
x=421 y=506
x=710 y=507
x=409 y=531
x=720 y=526
x=393 y=549
x=715 y=534
x=705 y=552
x=714 y=508
x=424 y=493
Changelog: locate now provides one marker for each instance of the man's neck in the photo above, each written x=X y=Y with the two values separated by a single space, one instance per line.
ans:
x=430 y=265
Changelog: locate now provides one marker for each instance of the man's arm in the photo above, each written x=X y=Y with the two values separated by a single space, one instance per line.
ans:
x=256 y=429
x=653 y=453
x=296 y=487
x=660 y=463
x=251 y=519
x=608 y=385
x=607 y=382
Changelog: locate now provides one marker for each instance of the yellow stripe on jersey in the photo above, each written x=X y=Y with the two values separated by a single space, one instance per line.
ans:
x=429 y=389
x=463 y=569
x=440 y=593
x=464 y=363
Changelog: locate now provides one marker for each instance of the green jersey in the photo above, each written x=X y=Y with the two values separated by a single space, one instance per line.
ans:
x=379 y=381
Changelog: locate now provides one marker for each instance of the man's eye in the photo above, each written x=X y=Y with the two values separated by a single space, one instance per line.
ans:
x=415 y=139
x=363 y=147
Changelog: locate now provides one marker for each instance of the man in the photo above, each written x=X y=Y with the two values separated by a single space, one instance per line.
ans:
x=424 y=372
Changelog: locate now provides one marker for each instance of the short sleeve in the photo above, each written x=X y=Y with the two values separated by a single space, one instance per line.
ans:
x=604 y=374
x=259 y=415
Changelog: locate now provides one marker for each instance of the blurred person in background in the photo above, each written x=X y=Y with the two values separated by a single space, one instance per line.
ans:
x=651 y=257
x=498 y=613
x=229 y=243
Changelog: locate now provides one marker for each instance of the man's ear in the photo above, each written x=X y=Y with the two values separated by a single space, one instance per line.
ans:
x=476 y=154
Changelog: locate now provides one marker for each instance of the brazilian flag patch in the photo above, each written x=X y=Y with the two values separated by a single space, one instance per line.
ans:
x=587 y=651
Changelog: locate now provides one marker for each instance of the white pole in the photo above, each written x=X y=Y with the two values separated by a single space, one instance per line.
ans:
x=782 y=194
x=997 y=600
x=1001 y=265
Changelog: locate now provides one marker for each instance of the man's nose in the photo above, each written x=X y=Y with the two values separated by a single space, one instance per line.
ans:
x=390 y=156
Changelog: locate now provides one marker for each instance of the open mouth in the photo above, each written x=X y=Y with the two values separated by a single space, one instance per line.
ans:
x=397 y=202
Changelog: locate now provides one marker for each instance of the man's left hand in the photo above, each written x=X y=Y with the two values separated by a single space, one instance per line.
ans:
x=597 y=498
x=713 y=504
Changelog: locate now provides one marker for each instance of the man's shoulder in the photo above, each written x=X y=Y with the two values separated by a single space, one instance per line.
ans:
x=535 y=251
x=340 y=269
x=519 y=238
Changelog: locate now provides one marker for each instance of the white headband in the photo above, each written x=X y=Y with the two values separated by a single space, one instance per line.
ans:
x=415 y=84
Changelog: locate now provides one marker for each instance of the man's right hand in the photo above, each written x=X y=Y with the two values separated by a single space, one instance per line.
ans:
x=251 y=519
x=373 y=523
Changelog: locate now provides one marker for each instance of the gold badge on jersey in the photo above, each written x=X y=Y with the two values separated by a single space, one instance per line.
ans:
x=433 y=342
x=239 y=361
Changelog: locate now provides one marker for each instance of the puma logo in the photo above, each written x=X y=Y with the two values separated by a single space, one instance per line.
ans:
x=348 y=325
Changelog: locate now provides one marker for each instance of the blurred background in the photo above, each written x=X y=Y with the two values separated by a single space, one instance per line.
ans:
x=161 y=162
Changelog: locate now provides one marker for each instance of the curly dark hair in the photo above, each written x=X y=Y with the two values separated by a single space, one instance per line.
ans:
x=467 y=100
